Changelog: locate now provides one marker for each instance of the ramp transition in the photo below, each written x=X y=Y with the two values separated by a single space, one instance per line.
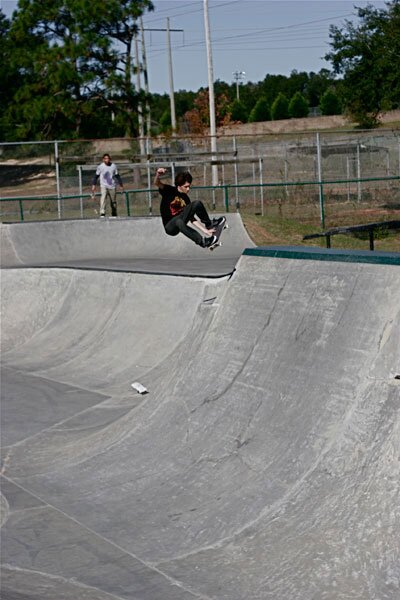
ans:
x=124 y=244
x=263 y=463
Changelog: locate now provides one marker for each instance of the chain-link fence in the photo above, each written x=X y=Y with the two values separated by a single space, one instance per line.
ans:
x=268 y=173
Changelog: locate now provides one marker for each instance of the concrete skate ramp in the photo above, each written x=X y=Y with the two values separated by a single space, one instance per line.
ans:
x=123 y=244
x=262 y=464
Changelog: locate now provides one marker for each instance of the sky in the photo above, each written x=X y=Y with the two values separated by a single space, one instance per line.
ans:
x=255 y=37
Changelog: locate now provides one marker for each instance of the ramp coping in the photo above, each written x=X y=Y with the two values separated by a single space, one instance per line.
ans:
x=325 y=254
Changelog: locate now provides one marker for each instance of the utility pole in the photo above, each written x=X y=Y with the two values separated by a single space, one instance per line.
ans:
x=140 y=107
x=238 y=76
x=171 y=80
x=213 y=129
x=146 y=88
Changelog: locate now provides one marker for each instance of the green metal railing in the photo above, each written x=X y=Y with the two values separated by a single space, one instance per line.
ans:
x=224 y=189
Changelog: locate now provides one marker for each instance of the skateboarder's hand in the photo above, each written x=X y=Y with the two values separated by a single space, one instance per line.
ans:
x=161 y=171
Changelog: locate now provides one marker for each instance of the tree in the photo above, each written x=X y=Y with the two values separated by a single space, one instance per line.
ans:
x=298 y=106
x=48 y=49
x=272 y=86
x=261 y=111
x=226 y=89
x=74 y=76
x=116 y=21
x=317 y=85
x=280 y=107
x=330 y=103
x=297 y=82
x=165 y=121
x=367 y=56
x=238 y=111
x=10 y=80
x=184 y=101
x=198 y=119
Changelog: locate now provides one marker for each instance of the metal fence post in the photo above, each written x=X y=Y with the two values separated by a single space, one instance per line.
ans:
x=358 y=173
x=149 y=186
x=253 y=166
x=21 y=210
x=261 y=186
x=128 y=209
x=226 y=198
x=399 y=155
x=235 y=166
x=57 y=162
x=80 y=190
x=321 y=186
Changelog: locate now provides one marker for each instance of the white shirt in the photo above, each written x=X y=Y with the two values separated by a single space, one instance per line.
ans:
x=107 y=175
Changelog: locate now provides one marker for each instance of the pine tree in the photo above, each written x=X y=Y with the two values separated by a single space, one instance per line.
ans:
x=238 y=111
x=298 y=106
x=280 y=108
x=330 y=103
x=261 y=111
x=75 y=75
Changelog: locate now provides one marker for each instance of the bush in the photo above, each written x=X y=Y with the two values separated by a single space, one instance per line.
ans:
x=260 y=112
x=238 y=111
x=165 y=120
x=298 y=106
x=280 y=107
x=330 y=103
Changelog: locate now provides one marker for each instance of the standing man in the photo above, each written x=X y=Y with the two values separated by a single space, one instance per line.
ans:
x=109 y=177
x=177 y=210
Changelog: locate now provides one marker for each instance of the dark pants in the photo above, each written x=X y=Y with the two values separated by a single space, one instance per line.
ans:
x=179 y=223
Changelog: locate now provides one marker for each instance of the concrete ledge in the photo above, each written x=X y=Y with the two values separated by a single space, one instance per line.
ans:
x=353 y=256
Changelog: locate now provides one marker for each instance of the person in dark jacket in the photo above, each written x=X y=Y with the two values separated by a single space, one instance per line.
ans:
x=177 y=211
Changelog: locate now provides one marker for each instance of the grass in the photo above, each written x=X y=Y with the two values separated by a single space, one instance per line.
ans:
x=289 y=229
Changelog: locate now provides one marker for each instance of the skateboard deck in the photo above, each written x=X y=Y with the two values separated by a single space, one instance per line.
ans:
x=218 y=233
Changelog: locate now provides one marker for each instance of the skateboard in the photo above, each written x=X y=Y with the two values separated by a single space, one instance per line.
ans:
x=218 y=233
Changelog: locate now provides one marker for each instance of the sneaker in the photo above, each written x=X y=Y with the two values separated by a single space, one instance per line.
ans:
x=219 y=221
x=209 y=241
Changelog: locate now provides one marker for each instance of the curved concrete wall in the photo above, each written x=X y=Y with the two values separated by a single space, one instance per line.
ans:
x=262 y=464
x=48 y=242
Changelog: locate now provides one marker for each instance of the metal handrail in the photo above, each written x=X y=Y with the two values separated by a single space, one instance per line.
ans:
x=225 y=187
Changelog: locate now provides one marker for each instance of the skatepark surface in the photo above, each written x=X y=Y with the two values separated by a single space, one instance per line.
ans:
x=123 y=244
x=262 y=464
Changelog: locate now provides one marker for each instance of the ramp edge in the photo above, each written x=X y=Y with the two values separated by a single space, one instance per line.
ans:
x=332 y=255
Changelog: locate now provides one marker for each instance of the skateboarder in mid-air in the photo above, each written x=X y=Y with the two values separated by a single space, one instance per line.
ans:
x=177 y=210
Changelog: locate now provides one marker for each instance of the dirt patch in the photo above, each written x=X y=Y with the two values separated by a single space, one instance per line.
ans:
x=26 y=179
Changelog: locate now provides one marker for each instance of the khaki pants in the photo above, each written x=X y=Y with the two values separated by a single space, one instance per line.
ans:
x=111 y=194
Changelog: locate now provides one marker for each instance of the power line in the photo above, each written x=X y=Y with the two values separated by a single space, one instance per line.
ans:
x=190 y=12
x=257 y=49
x=168 y=10
x=288 y=36
x=273 y=30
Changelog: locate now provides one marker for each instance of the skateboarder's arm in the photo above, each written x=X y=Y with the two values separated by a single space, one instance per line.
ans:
x=199 y=225
x=157 y=180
